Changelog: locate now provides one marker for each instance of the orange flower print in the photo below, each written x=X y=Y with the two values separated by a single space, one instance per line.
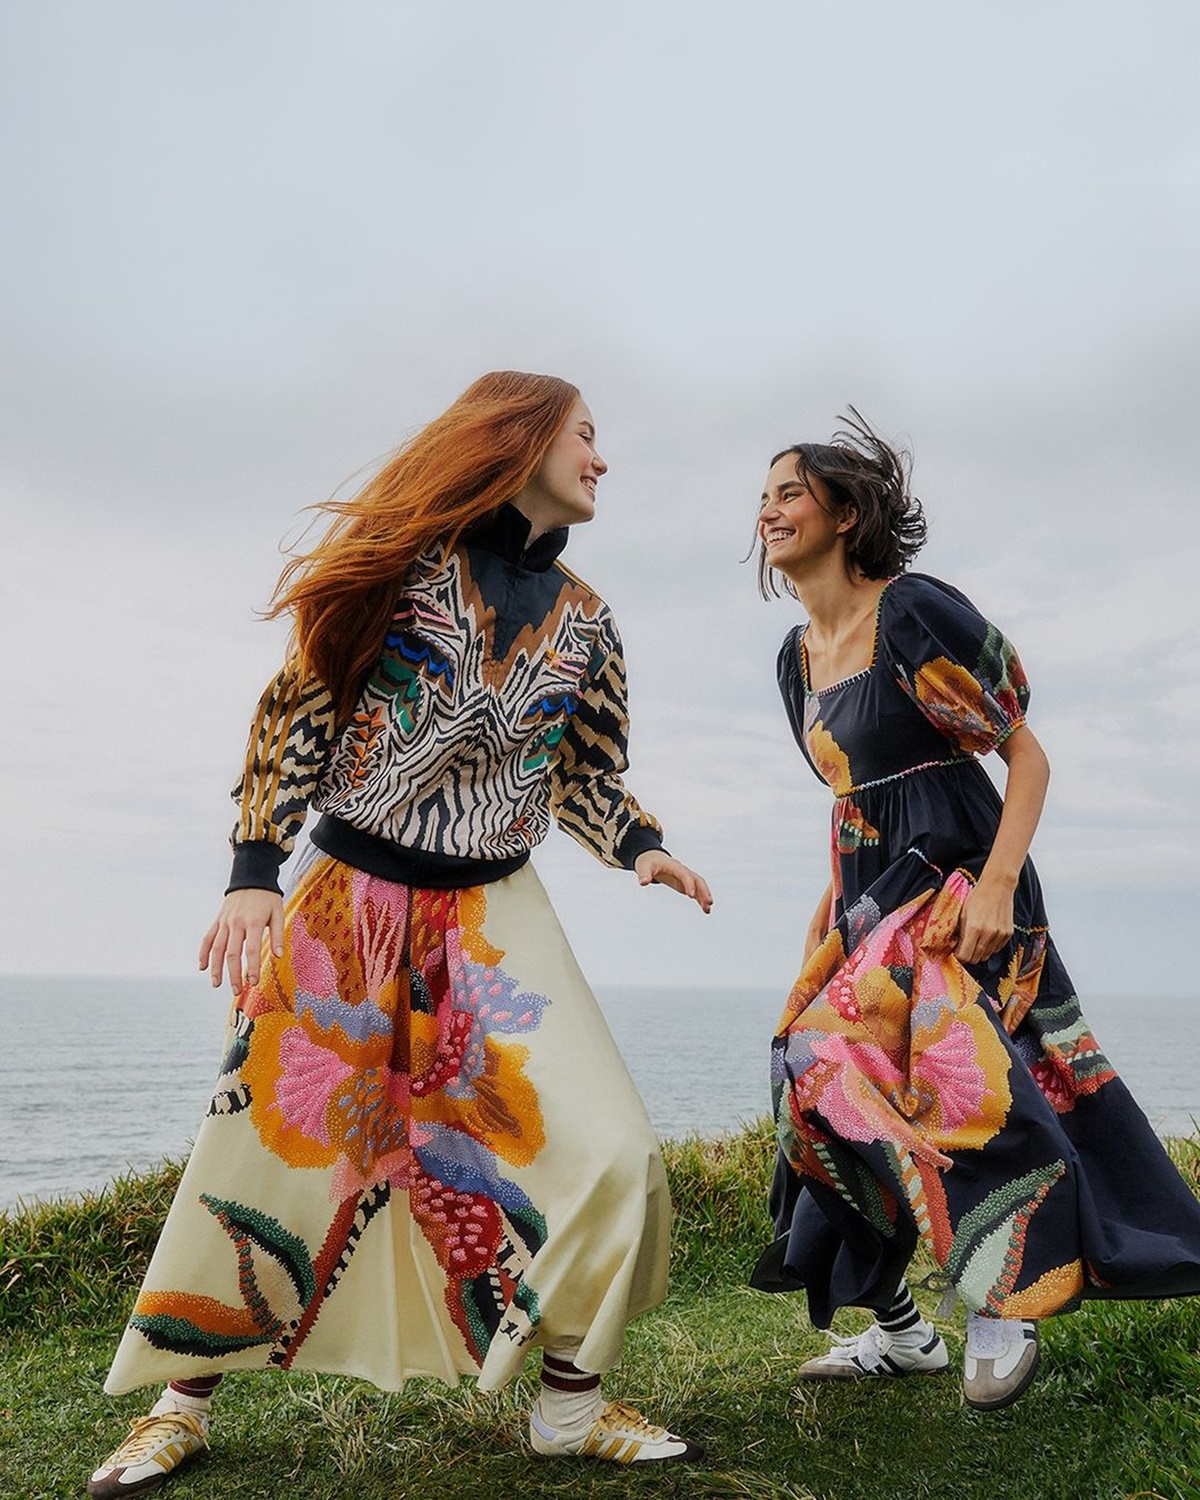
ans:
x=383 y=1047
x=895 y=1048
x=954 y=700
x=829 y=758
x=852 y=830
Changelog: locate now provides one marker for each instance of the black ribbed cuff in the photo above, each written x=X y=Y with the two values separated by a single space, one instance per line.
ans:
x=635 y=841
x=256 y=866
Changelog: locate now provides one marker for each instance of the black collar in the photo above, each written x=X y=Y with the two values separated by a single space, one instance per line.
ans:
x=505 y=532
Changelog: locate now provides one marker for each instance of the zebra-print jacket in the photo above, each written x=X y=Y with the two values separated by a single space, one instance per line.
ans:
x=498 y=700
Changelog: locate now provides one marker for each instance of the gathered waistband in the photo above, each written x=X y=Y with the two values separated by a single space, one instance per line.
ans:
x=928 y=765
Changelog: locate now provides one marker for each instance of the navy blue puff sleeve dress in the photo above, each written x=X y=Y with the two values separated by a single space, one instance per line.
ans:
x=968 y=1106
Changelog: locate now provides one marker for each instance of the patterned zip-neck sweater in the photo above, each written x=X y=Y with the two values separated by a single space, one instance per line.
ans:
x=498 y=699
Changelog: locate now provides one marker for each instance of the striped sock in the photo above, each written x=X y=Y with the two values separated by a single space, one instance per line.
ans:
x=569 y=1397
x=901 y=1320
x=900 y=1314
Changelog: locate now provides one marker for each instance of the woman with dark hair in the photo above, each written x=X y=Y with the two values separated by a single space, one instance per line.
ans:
x=933 y=1076
x=424 y=1154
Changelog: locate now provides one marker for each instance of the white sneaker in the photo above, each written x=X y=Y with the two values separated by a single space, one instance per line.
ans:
x=876 y=1352
x=620 y=1434
x=1000 y=1361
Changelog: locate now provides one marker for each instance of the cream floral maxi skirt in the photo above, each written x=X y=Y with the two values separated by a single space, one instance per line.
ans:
x=423 y=1155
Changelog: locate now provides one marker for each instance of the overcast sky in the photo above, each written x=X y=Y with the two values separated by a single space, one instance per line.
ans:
x=246 y=248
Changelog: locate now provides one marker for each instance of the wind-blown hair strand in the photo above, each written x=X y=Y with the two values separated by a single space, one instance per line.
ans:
x=479 y=453
x=863 y=473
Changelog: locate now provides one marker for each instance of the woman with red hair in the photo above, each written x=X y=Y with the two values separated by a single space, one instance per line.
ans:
x=424 y=1154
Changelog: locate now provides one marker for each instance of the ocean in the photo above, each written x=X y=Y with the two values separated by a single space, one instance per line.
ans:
x=100 y=1076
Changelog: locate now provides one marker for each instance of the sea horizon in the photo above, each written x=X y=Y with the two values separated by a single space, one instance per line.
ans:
x=103 y=1075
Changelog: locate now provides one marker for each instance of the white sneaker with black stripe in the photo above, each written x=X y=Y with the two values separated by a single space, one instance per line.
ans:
x=1000 y=1361
x=876 y=1353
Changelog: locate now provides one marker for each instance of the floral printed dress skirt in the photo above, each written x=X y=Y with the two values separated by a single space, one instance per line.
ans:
x=423 y=1155
x=917 y=1099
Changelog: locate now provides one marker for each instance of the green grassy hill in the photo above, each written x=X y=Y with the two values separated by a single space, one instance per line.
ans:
x=1114 y=1415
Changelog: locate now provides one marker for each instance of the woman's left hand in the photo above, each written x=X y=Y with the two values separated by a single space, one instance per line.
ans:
x=656 y=867
x=986 y=921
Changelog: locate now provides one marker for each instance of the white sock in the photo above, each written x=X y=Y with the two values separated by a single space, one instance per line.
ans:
x=176 y=1401
x=569 y=1398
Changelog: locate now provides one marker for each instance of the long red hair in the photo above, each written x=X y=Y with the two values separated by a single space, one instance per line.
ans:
x=479 y=453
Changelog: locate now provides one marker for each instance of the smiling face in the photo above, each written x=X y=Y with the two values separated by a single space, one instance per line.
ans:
x=798 y=524
x=562 y=492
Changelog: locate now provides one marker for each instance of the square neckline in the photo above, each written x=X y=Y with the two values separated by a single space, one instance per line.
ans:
x=831 y=687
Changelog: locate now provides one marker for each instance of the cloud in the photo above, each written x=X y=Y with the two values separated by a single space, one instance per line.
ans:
x=248 y=250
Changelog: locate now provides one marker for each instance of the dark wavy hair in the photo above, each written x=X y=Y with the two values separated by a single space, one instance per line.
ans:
x=859 y=472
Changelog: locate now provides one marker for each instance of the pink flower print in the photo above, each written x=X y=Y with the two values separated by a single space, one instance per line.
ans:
x=856 y=1087
x=951 y=1071
x=399 y=1091
x=463 y=1228
x=1053 y=1075
x=381 y=930
x=490 y=1002
x=455 y=1034
x=929 y=984
x=310 y=1074
x=395 y=1168
x=312 y=962
x=849 y=1087
x=901 y=950
x=839 y=993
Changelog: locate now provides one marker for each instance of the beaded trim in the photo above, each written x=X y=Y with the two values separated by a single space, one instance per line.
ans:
x=925 y=859
x=802 y=652
x=832 y=687
x=927 y=765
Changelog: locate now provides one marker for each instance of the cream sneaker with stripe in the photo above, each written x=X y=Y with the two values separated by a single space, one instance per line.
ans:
x=619 y=1434
x=155 y=1448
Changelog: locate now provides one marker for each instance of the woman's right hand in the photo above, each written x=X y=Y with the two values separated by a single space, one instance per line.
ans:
x=243 y=919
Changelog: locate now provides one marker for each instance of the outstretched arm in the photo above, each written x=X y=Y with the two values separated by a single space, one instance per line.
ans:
x=986 y=923
x=657 y=867
x=588 y=798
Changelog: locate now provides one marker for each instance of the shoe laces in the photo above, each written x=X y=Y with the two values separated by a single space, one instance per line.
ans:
x=630 y=1420
x=867 y=1346
x=989 y=1338
x=147 y=1434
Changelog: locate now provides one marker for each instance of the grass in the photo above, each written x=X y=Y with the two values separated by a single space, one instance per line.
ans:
x=1115 y=1414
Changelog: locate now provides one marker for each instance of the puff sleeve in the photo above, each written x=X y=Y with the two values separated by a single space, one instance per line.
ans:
x=959 y=670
